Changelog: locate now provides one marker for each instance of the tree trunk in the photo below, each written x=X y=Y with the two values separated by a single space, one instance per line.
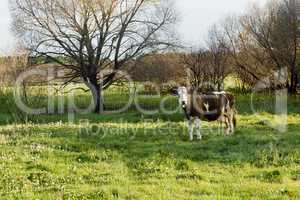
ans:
x=96 y=91
x=294 y=82
x=294 y=88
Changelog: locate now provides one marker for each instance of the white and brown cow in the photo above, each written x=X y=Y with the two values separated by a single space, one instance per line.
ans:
x=213 y=106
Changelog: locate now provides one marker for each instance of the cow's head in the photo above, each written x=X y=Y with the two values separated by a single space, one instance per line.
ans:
x=182 y=94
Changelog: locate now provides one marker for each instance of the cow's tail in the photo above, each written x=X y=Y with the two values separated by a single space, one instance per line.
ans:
x=234 y=120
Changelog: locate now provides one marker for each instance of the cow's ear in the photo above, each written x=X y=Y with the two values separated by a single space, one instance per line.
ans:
x=190 y=90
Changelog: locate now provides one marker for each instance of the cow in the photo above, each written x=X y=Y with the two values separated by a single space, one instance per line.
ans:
x=211 y=106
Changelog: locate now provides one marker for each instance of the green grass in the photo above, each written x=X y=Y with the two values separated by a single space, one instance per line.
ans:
x=134 y=156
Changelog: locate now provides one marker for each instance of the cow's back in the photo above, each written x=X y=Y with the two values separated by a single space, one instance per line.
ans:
x=207 y=107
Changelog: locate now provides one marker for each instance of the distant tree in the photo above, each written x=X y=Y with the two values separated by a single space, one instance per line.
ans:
x=247 y=61
x=275 y=29
x=12 y=66
x=219 y=57
x=158 y=68
x=90 y=36
x=208 y=67
x=200 y=72
x=264 y=41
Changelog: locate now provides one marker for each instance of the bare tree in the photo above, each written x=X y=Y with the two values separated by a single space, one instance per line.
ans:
x=198 y=66
x=219 y=56
x=92 y=36
x=274 y=30
x=249 y=62
x=208 y=67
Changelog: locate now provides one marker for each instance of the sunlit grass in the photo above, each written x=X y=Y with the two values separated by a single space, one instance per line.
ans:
x=135 y=156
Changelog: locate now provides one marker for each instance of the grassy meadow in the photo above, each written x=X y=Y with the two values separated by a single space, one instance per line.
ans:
x=134 y=156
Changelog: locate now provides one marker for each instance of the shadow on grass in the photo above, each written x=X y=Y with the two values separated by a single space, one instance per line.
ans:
x=130 y=117
x=259 y=146
x=247 y=104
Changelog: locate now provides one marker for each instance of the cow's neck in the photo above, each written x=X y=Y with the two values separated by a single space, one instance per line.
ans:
x=185 y=103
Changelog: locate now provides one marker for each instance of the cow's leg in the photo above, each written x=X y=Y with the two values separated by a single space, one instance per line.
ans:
x=220 y=126
x=191 y=129
x=227 y=123
x=198 y=127
x=231 y=123
x=220 y=122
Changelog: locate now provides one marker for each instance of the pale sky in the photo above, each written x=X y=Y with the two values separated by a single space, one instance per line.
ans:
x=196 y=17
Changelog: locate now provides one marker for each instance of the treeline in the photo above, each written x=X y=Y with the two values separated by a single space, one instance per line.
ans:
x=260 y=46
x=263 y=45
x=11 y=67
